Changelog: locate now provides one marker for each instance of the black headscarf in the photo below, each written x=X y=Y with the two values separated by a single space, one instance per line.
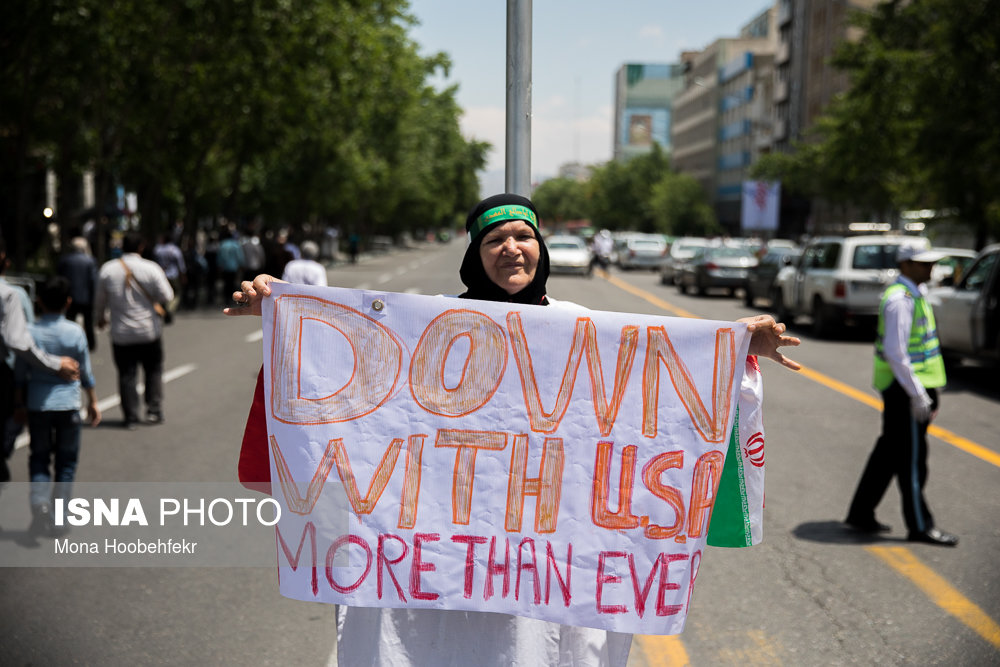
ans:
x=474 y=275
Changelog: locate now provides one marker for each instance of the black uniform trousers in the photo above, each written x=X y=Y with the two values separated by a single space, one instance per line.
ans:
x=900 y=452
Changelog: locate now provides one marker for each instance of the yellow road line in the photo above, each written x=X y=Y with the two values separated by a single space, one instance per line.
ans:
x=662 y=651
x=965 y=445
x=643 y=294
x=845 y=389
x=952 y=439
x=939 y=591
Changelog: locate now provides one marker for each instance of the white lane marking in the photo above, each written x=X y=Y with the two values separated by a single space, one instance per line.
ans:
x=115 y=399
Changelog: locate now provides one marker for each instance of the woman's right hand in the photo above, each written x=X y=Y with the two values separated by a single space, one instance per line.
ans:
x=251 y=294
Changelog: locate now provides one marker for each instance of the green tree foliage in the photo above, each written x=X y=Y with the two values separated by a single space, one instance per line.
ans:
x=620 y=193
x=920 y=125
x=293 y=110
x=560 y=199
x=681 y=207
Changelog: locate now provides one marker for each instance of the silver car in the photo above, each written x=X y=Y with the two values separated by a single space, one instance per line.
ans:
x=645 y=251
x=722 y=266
x=968 y=313
x=681 y=250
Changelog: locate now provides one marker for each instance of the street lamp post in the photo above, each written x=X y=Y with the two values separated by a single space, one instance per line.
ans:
x=518 y=136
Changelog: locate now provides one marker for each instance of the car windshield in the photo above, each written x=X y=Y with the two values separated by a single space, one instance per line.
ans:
x=875 y=256
x=645 y=245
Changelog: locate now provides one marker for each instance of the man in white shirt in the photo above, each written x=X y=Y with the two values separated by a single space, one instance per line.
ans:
x=131 y=287
x=306 y=271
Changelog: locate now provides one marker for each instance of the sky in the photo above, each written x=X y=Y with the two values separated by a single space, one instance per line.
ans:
x=577 y=46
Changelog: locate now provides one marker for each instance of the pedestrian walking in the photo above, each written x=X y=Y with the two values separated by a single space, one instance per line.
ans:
x=909 y=370
x=16 y=343
x=253 y=255
x=53 y=404
x=80 y=268
x=601 y=246
x=353 y=247
x=197 y=272
x=306 y=271
x=130 y=289
x=169 y=256
x=230 y=260
x=506 y=261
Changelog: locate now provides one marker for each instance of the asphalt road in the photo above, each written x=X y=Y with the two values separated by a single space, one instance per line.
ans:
x=811 y=594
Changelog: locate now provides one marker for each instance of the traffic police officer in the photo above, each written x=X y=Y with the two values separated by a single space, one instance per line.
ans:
x=908 y=371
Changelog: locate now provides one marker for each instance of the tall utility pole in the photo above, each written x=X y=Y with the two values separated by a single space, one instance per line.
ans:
x=518 y=156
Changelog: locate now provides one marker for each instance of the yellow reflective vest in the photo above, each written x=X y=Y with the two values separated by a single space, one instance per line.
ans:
x=922 y=347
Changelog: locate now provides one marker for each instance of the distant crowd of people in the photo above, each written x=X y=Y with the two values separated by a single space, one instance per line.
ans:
x=46 y=342
x=204 y=269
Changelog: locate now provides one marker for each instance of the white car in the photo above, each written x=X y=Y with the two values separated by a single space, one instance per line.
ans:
x=839 y=280
x=569 y=254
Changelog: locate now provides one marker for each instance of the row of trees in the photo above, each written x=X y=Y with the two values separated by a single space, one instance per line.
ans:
x=292 y=111
x=920 y=125
x=643 y=194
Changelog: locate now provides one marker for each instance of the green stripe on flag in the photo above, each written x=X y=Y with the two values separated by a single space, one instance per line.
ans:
x=730 y=525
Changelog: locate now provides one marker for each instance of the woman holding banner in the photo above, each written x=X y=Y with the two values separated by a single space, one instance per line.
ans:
x=506 y=261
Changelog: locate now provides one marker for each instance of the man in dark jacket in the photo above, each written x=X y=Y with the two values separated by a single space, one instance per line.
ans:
x=79 y=267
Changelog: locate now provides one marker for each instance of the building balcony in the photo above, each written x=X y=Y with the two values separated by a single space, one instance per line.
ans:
x=780 y=91
x=762 y=140
x=780 y=130
x=784 y=12
x=783 y=53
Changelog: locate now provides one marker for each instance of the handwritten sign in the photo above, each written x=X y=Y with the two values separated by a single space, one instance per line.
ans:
x=549 y=462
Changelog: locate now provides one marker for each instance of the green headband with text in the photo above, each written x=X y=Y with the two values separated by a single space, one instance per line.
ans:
x=503 y=214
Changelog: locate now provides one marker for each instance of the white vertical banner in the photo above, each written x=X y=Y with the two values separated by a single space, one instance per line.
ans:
x=761 y=202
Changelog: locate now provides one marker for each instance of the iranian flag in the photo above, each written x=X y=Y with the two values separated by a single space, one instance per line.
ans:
x=738 y=515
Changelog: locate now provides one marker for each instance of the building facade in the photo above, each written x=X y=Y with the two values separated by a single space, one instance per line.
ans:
x=644 y=95
x=809 y=32
x=723 y=118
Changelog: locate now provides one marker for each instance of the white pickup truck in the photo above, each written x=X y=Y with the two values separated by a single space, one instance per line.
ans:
x=839 y=280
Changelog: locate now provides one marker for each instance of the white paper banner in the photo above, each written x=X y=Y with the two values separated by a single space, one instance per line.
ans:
x=549 y=462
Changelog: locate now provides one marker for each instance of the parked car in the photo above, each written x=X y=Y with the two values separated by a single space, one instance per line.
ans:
x=760 y=278
x=569 y=254
x=968 y=313
x=716 y=266
x=681 y=249
x=641 y=251
x=839 y=280
x=949 y=271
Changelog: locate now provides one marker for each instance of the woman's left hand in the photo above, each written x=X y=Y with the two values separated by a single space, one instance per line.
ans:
x=767 y=336
x=250 y=295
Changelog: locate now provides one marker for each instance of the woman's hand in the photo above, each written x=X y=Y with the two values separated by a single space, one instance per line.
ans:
x=251 y=294
x=767 y=336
